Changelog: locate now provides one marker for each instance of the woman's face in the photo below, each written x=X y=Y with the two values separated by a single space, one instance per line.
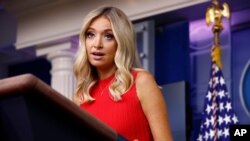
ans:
x=100 y=43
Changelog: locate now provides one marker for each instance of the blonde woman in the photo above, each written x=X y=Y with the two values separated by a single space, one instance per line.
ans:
x=108 y=87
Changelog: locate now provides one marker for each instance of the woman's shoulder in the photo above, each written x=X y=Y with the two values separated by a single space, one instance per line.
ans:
x=142 y=75
x=146 y=86
x=140 y=70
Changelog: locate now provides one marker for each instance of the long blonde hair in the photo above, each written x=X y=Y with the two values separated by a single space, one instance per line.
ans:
x=124 y=34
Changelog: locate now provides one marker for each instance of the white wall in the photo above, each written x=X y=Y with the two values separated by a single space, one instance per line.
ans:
x=64 y=20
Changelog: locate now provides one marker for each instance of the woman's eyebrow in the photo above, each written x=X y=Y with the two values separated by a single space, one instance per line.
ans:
x=108 y=30
x=90 y=28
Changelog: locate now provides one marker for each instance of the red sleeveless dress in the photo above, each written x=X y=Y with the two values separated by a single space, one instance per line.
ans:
x=125 y=116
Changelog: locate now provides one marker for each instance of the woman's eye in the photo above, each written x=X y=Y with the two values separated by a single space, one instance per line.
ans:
x=90 y=34
x=109 y=36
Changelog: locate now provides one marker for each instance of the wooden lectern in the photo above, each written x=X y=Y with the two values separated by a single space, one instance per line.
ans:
x=30 y=110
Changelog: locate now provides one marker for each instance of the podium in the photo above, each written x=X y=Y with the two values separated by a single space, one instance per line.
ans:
x=30 y=110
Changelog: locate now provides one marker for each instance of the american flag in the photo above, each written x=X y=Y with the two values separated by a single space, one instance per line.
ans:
x=218 y=114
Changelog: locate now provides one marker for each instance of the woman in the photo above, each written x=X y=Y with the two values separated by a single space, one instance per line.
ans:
x=126 y=99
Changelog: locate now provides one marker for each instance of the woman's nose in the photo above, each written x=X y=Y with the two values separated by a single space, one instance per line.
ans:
x=98 y=42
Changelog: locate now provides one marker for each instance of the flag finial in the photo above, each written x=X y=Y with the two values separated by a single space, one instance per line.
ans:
x=215 y=14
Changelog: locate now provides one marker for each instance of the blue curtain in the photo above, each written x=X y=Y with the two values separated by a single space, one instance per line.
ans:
x=172 y=53
x=172 y=64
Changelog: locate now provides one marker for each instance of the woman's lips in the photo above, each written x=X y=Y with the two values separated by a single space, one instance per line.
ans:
x=97 y=55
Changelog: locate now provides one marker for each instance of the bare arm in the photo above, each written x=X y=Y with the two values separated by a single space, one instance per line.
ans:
x=153 y=105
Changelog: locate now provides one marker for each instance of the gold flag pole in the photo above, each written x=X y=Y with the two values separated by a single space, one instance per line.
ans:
x=213 y=126
x=215 y=14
